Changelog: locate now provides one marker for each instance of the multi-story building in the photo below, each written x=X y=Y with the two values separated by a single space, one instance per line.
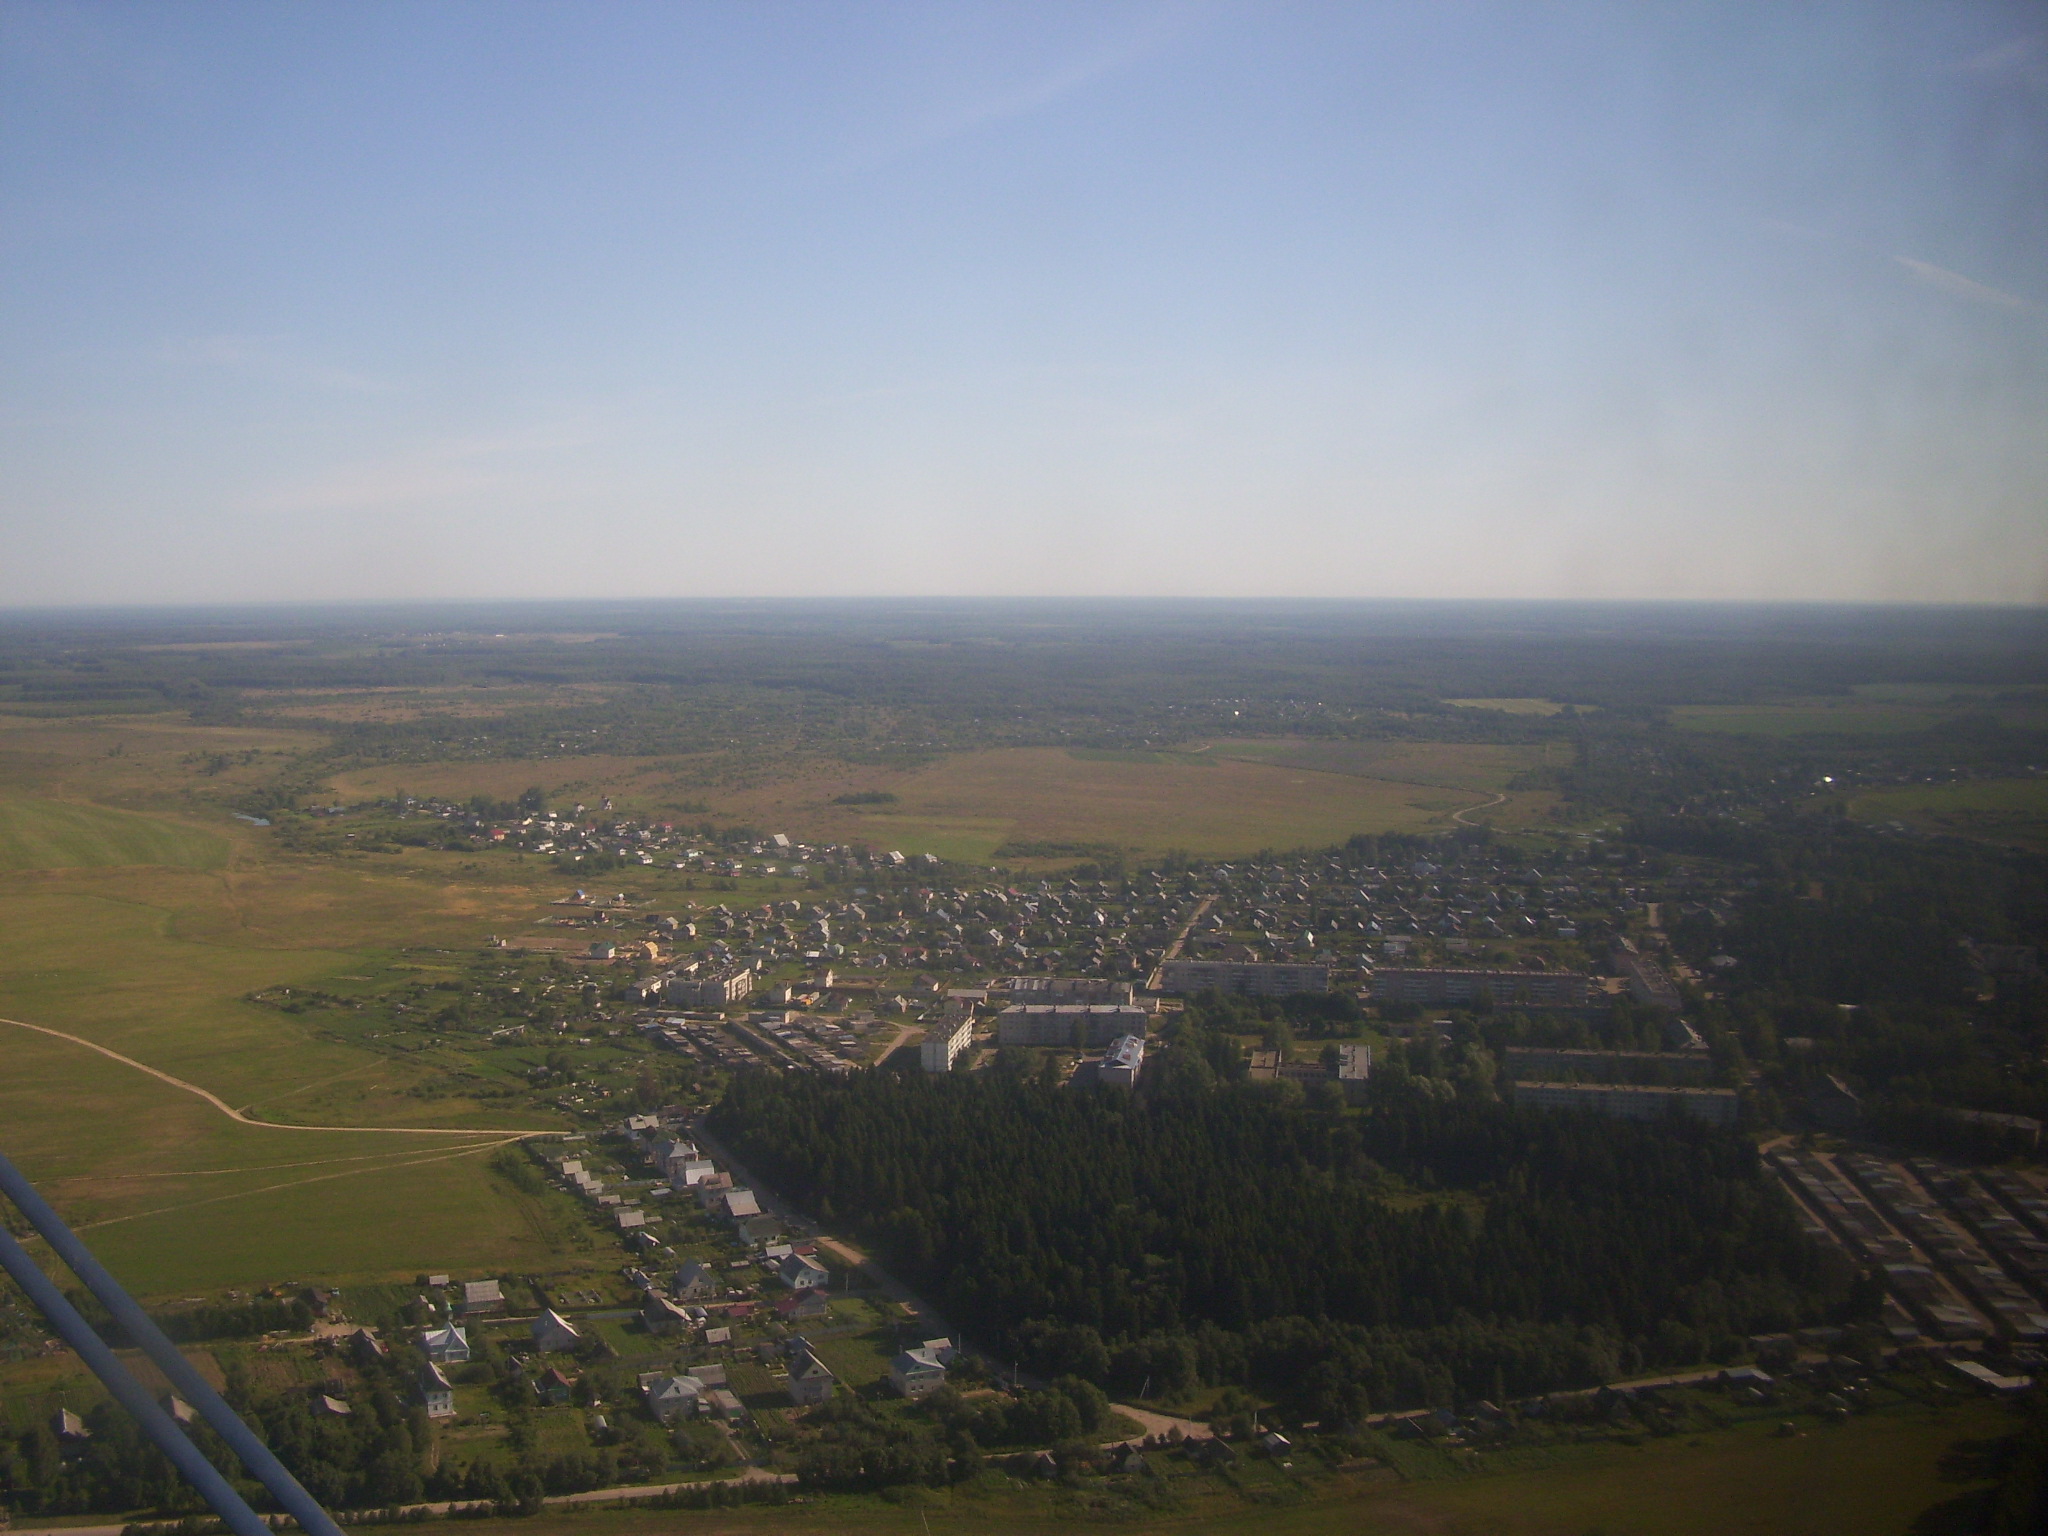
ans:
x=1528 y=1062
x=1126 y=1059
x=1508 y=989
x=1070 y=989
x=1081 y=1024
x=1250 y=977
x=714 y=990
x=1630 y=1101
x=943 y=1043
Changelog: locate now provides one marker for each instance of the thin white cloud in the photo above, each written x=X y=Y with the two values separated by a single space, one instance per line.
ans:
x=276 y=359
x=1155 y=29
x=1958 y=286
x=432 y=475
x=2023 y=58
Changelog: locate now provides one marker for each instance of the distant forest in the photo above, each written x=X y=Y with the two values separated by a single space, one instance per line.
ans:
x=1437 y=1248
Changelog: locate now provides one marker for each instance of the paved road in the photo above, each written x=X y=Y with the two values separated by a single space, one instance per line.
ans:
x=1173 y=950
x=594 y=1496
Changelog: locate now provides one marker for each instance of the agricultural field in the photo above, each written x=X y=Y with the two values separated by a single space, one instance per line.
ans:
x=1871 y=710
x=1225 y=798
x=2008 y=811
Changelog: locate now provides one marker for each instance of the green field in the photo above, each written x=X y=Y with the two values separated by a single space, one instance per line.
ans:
x=1809 y=717
x=2010 y=811
x=51 y=834
x=1514 y=706
x=1909 y=1472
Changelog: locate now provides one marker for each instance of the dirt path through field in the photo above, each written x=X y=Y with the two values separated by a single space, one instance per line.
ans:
x=277 y=1125
x=1459 y=816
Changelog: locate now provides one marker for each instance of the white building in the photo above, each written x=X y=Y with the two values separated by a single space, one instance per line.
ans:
x=446 y=1346
x=917 y=1373
x=1126 y=1059
x=943 y=1043
x=437 y=1392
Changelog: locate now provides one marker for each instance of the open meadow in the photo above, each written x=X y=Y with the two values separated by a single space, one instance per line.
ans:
x=1896 y=1473
x=2009 y=811
x=1226 y=798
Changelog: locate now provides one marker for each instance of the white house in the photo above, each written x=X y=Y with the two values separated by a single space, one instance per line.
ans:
x=800 y=1272
x=917 y=1373
x=809 y=1381
x=446 y=1346
x=740 y=1203
x=675 y=1397
x=437 y=1392
x=553 y=1332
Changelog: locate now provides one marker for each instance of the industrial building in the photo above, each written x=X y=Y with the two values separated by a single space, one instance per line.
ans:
x=1250 y=978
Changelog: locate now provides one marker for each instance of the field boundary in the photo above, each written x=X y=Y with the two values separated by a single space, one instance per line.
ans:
x=508 y=1132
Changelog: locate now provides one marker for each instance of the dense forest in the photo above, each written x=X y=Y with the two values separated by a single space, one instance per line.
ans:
x=1430 y=1248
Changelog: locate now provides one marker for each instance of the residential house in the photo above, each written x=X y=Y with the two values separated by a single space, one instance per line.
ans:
x=695 y=1281
x=446 y=1346
x=553 y=1332
x=800 y=1272
x=436 y=1391
x=810 y=1382
x=366 y=1346
x=554 y=1387
x=675 y=1397
x=482 y=1296
x=690 y=1172
x=916 y=1373
x=663 y=1316
x=740 y=1204
x=804 y=1306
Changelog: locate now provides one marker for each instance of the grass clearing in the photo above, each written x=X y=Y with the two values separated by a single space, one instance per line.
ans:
x=52 y=834
x=1850 y=716
x=1517 y=706
x=2009 y=811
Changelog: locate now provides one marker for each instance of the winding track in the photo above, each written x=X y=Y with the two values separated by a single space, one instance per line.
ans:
x=1459 y=816
x=277 y=1125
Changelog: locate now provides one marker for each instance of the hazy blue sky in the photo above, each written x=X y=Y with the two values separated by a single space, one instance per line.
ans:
x=431 y=299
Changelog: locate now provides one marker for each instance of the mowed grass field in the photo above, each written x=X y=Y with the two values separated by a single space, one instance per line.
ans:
x=50 y=834
x=145 y=933
x=1225 y=798
x=2009 y=811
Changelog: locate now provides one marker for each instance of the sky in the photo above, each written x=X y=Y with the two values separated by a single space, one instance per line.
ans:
x=438 y=299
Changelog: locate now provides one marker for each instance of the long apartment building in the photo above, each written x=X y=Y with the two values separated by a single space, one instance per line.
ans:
x=1082 y=1024
x=1630 y=1101
x=1693 y=1068
x=1451 y=986
x=1070 y=989
x=1250 y=978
